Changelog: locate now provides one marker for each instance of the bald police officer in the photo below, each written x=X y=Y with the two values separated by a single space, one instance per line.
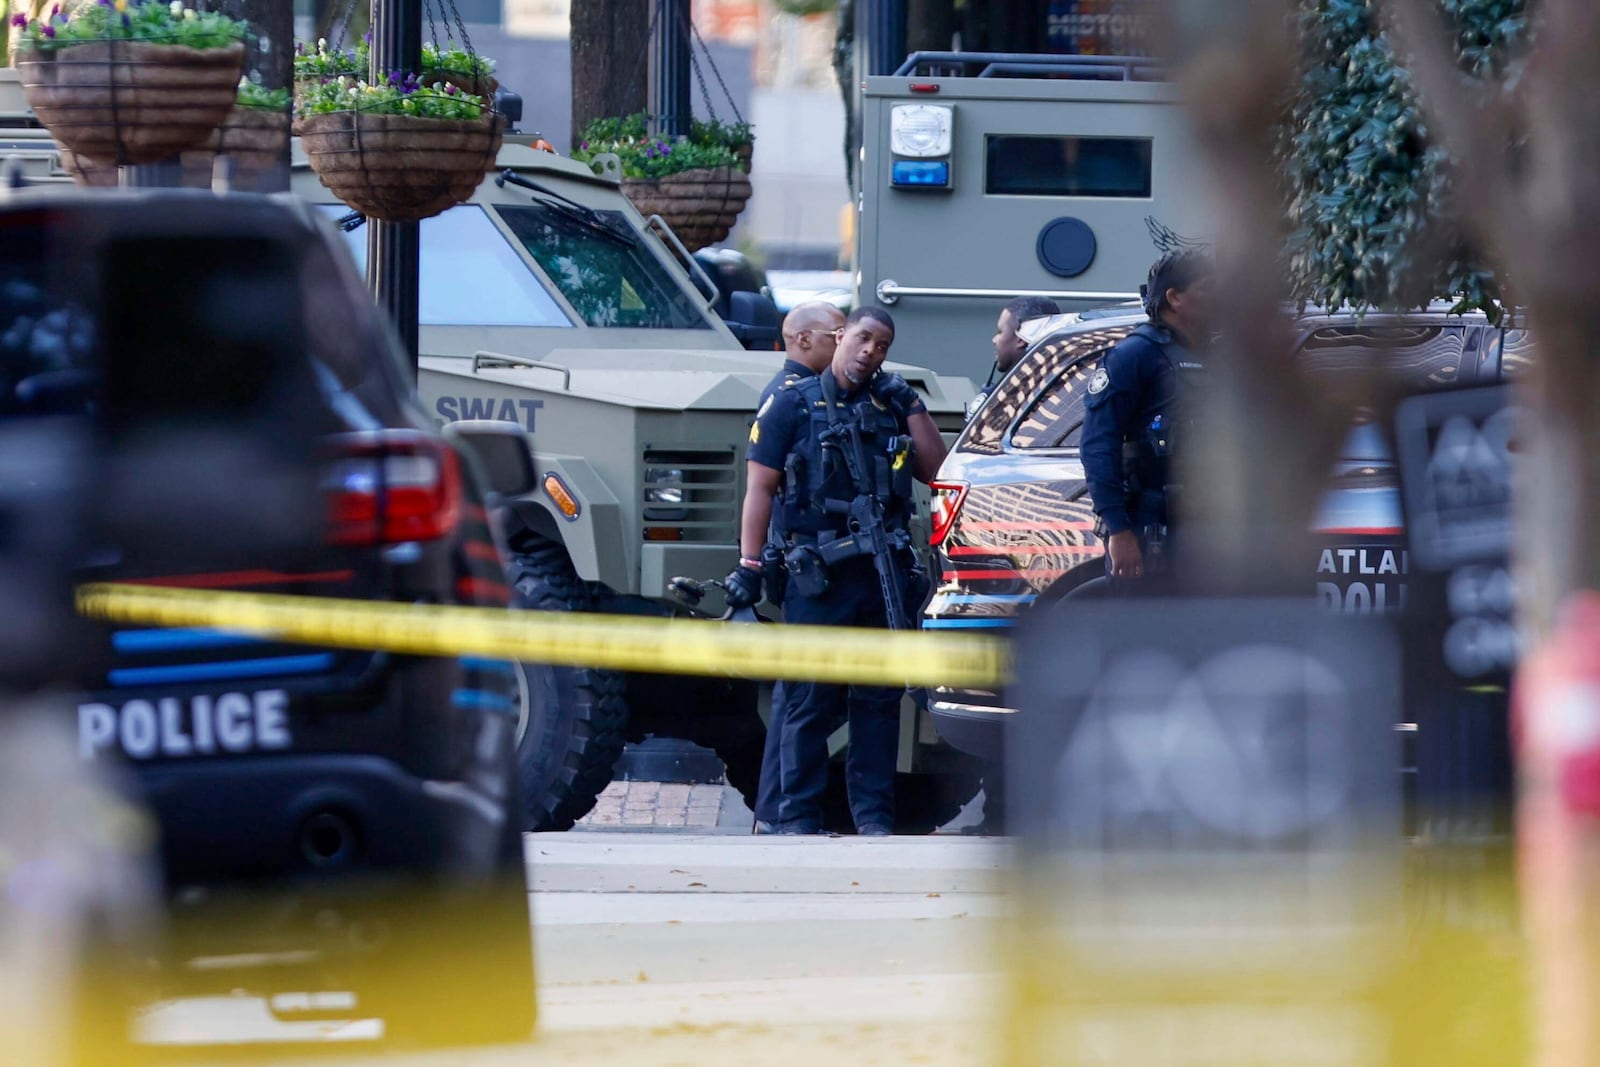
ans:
x=797 y=455
x=810 y=334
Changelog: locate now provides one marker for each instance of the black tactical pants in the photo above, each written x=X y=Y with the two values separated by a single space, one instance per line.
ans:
x=813 y=709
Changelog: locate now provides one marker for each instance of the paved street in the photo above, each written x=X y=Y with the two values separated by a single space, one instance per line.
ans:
x=727 y=948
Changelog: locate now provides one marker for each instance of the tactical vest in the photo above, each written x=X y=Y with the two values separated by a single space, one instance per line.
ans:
x=1163 y=421
x=817 y=485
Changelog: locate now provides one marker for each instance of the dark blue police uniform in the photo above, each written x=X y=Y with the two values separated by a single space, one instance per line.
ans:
x=1132 y=403
x=768 y=791
x=791 y=435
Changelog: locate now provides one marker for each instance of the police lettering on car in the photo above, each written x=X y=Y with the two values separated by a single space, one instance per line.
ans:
x=838 y=452
x=1134 y=409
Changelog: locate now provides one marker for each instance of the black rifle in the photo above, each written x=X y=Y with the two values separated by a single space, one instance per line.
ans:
x=864 y=515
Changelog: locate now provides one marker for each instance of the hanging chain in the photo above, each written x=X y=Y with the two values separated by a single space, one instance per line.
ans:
x=433 y=28
x=734 y=104
x=342 y=15
x=466 y=41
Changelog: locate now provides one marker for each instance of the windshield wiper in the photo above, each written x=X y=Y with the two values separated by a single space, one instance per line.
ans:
x=580 y=214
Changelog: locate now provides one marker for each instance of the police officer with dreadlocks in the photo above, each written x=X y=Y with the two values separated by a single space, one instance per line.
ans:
x=1130 y=426
x=838 y=453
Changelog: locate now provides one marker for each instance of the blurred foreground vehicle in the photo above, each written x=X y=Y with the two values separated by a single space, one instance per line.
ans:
x=337 y=828
x=1013 y=523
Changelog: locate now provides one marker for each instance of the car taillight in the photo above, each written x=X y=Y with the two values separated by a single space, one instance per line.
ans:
x=390 y=486
x=947 y=498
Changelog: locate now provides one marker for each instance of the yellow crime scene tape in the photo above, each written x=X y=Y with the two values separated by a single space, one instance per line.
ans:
x=615 y=642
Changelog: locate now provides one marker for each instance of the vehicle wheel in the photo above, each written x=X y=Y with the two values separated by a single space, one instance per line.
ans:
x=571 y=720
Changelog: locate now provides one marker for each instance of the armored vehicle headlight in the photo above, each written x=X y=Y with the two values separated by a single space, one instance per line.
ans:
x=663 y=485
x=920 y=130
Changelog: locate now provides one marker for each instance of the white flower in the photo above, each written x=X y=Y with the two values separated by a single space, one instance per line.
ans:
x=189 y=15
x=176 y=7
x=322 y=44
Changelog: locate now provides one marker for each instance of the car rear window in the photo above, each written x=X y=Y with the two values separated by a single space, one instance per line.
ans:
x=53 y=314
x=1043 y=385
x=1415 y=357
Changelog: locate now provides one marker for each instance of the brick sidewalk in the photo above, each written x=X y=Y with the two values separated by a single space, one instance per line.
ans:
x=662 y=805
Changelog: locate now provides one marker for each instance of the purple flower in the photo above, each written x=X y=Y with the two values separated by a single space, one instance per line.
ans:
x=49 y=31
x=450 y=90
x=394 y=77
x=55 y=9
x=19 y=19
x=584 y=146
x=367 y=37
x=666 y=150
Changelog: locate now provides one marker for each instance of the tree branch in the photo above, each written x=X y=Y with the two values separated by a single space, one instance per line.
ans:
x=1475 y=124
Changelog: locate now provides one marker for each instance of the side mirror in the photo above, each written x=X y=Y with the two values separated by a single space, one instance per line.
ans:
x=754 y=320
x=502 y=453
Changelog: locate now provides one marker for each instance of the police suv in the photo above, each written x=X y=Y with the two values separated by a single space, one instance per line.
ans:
x=351 y=782
x=1013 y=525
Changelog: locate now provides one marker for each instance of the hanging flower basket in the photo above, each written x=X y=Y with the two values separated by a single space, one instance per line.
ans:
x=400 y=152
x=699 y=184
x=461 y=67
x=254 y=136
x=118 y=83
x=701 y=206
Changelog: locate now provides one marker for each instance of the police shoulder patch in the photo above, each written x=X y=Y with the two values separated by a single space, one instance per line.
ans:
x=1101 y=379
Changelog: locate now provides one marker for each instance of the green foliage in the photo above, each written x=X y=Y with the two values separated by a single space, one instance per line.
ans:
x=456 y=60
x=644 y=156
x=1370 y=197
x=731 y=135
x=319 y=62
x=401 y=96
x=253 y=95
x=118 y=20
x=806 y=7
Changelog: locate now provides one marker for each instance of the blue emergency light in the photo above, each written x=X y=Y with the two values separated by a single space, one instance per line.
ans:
x=920 y=173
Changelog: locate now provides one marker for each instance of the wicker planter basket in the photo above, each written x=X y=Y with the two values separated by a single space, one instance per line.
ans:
x=701 y=206
x=399 y=168
x=113 y=102
x=483 y=85
x=255 y=138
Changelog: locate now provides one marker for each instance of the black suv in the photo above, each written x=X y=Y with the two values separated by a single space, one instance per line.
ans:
x=329 y=819
x=1012 y=520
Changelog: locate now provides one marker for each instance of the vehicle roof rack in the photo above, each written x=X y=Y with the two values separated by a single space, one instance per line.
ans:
x=1031 y=65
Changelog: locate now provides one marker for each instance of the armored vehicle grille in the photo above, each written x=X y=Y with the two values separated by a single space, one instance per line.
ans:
x=691 y=494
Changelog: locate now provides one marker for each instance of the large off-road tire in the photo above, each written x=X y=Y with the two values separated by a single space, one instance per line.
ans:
x=571 y=720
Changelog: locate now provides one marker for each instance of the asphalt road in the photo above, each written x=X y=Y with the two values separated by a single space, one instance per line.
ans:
x=724 y=948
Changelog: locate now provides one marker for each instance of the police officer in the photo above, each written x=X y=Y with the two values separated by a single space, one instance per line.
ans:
x=810 y=334
x=1128 y=428
x=1008 y=346
x=797 y=456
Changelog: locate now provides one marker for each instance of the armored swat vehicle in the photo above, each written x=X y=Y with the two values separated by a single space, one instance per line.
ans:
x=549 y=301
x=989 y=176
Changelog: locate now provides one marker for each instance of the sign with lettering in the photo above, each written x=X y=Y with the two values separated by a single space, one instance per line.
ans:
x=1457 y=454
